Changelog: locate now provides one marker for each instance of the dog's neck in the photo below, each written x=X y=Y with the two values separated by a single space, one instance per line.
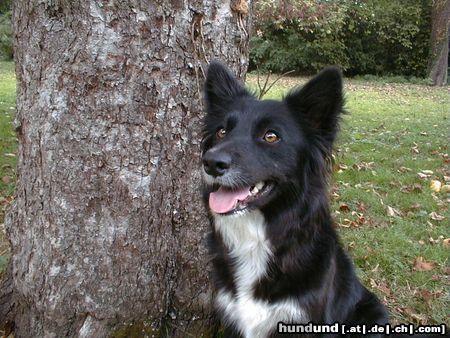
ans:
x=242 y=231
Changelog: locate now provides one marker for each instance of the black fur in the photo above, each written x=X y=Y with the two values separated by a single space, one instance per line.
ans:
x=308 y=262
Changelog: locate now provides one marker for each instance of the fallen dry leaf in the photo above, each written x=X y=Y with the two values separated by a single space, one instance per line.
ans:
x=425 y=173
x=445 y=188
x=349 y=223
x=361 y=206
x=8 y=329
x=434 y=215
x=395 y=184
x=7 y=179
x=435 y=185
x=340 y=168
x=416 y=318
x=382 y=286
x=404 y=169
x=437 y=277
x=363 y=166
x=435 y=241
x=6 y=200
x=428 y=296
x=335 y=195
x=344 y=207
x=446 y=242
x=416 y=187
x=345 y=224
x=419 y=318
x=420 y=264
x=391 y=212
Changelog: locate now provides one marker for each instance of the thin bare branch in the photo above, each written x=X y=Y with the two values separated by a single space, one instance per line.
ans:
x=264 y=90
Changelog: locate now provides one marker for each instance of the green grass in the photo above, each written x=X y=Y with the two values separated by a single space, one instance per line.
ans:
x=8 y=146
x=397 y=126
x=8 y=142
x=390 y=127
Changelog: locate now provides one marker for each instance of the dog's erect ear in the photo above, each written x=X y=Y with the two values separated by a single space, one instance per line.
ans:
x=319 y=103
x=221 y=88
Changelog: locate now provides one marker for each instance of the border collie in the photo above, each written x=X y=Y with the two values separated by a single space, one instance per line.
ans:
x=276 y=256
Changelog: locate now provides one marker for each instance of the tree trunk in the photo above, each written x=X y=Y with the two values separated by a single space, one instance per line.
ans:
x=438 y=66
x=107 y=228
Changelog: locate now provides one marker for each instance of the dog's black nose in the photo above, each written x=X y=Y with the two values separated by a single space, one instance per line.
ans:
x=216 y=163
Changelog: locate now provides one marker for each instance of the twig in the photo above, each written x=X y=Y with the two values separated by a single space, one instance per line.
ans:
x=264 y=90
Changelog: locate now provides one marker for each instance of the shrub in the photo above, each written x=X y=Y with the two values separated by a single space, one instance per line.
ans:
x=305 y=36
x=6 y=44
x=388 y=37
x=362 y=36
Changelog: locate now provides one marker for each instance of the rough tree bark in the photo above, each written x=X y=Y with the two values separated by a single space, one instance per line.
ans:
x=438 y=65
x=107 y=228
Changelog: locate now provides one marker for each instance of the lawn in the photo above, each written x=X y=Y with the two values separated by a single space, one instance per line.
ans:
x=8 y=145
x=393 y=146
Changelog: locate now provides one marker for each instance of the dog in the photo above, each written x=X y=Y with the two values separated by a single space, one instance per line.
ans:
x=276 y=257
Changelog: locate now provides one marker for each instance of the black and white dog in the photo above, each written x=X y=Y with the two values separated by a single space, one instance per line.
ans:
x=275 y=254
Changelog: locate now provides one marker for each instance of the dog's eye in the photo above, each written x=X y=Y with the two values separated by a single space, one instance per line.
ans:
x=271 y=137
x=220 y=133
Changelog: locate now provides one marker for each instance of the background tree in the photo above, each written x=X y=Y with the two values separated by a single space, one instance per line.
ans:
x=107 y=228
x=438 y=65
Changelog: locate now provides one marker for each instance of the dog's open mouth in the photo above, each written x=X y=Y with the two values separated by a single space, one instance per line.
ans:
x=229 y=200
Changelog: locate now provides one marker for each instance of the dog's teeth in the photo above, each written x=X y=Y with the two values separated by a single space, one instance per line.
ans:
x=256 y=188
x=259 y=185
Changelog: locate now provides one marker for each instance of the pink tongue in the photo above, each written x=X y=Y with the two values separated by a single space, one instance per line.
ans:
x=225 y=200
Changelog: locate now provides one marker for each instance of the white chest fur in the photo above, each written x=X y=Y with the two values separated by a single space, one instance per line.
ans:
x=245 y=237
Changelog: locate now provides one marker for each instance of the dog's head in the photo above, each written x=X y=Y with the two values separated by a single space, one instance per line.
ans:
x=255 y=151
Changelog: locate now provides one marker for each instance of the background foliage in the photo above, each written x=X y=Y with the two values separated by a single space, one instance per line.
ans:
x=6 y=45
x=382 y=37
